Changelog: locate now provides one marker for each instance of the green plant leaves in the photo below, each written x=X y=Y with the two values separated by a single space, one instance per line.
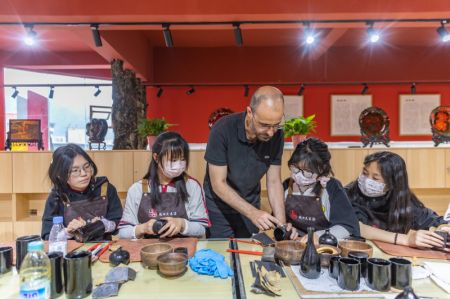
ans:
x=153 y=126
x=299 y=126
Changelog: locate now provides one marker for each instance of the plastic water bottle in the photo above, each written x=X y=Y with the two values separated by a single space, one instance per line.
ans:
x=57 y=240
x=35 y=273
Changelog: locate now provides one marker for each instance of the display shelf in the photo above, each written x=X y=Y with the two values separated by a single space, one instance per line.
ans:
x=30 y=206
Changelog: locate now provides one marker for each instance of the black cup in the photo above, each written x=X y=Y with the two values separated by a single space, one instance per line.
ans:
x=349 y=274
x=362 y=258
x=280 y=233
x=6 y=259
x=401 y=272
x=22 y=248
x=77 y=274
x=56 y=284
x=333 y=268
x=379 y=274
x=183 y=250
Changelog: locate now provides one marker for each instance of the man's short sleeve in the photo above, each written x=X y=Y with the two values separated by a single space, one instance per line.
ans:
x=216 y=149
x=278 y=147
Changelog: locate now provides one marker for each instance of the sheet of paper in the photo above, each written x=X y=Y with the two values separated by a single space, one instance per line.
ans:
x=345 y=111
x=415 y=111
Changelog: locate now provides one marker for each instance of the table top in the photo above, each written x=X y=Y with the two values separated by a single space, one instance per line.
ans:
x=192 y=285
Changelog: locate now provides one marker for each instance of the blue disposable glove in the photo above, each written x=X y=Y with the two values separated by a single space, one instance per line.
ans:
x=209 y=262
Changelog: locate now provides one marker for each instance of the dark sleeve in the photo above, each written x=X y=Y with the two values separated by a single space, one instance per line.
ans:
x=341 y=212
x=115 y=210
x=216 y=149
x=53 y=207
x=279 y=147
x=424 y=218
x=360 y=211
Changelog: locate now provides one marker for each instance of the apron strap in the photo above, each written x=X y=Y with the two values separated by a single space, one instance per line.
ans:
x=145 y=188
x=104 y=190
x=290 y=183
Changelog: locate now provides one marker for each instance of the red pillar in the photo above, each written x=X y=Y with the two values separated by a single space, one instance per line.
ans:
x=2 y=110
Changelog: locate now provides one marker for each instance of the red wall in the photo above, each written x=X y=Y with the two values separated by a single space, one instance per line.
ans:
x=191 y=113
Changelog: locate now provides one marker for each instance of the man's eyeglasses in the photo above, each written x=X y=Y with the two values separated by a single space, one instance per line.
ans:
x=76 y=172
x=263 y=126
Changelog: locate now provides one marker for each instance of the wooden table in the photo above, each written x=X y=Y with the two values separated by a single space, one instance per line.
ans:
x=149 y=284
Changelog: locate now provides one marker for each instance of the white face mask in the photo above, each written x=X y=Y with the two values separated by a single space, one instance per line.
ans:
x=173 y=169
x=370 y=187
x=303 y=180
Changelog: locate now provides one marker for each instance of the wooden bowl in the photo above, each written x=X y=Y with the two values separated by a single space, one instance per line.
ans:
x=289 y=251
x=150 y=253
x=326 y=252
x=172 y=263
x=352 y=245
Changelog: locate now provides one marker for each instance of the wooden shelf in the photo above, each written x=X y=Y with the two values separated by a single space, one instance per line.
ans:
x=30 y=205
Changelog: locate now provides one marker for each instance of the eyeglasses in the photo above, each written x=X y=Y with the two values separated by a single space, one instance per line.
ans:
x=76 y=172
x=306 y=173
x=266 y=127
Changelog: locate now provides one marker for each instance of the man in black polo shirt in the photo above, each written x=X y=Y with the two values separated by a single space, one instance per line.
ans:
x=241 y=149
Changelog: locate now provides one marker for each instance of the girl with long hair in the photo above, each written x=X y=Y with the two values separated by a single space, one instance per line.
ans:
x=386 y=207
x=165 y=193
x=79 y=195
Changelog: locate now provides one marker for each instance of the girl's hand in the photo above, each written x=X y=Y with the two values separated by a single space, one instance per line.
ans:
x=75 y=224
x=293 y=230
x=173 y=227
x=424 y=239
x=145 y=229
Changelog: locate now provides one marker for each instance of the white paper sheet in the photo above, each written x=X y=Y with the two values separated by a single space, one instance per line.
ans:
x=439 y=274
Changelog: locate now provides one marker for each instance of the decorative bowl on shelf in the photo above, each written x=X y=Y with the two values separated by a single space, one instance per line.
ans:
x=440 y=124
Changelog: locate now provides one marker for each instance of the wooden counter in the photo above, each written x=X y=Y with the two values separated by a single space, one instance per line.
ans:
x=149 y=283
x=24 y=184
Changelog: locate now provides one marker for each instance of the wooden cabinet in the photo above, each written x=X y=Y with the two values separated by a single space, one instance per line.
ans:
x=141 y=161
x=447 y=168
x=197 y=165
x=426 y=167
x=5 y=173
x=117 y=166
x=347 y=164
x=30 y=172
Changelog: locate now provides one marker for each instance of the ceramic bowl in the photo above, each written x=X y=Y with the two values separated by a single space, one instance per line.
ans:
x=289 y=251
x=352 y=245
x=150 y=253
x=172 y=263
x=326 y=252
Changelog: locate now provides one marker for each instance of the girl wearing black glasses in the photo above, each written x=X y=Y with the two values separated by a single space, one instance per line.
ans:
x=79 y=195
x=313 y=198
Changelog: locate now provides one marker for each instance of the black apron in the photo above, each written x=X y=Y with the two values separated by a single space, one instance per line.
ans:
x=169 y=206
x=87 y=209
x=305 y=211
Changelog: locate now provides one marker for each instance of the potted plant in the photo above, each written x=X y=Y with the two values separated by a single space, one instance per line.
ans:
x=299 y=127
x=152 y=127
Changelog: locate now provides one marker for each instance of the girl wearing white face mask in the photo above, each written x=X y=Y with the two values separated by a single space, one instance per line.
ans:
x=313 y=198
x=165 y=193
x=387 y=209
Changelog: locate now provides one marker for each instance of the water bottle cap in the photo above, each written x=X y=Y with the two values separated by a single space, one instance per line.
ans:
x=58 y=219
x=36 y=246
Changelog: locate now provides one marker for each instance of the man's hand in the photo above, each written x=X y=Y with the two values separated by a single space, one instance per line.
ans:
x=263 y=220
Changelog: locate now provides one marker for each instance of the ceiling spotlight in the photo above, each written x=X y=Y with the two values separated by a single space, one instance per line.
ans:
x=413 y=88
x=51 y=92
x=374 y=35
x=96 y=35
x=301 y=90
x=167 y=35
x=365 y=88
x=160 y=92
x=443 y=33
x=30 y=37
x=238 y=34
x=15 y=93
x=309 y=35
x=98 y=91
x=246 y=90
x=190 y=91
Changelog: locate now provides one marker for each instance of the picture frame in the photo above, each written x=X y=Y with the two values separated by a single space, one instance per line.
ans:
x=414 y=113
x=345 y=111
x=293 y=106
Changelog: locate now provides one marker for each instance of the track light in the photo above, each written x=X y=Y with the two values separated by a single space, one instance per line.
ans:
x=51 y=92
x=246 y=90
x=160 y=92
x=309 y=35
x=301 y=90
x=190 y=91
x=15 y=93
x=374 y=35
x=413 y=88
x=96 y=35
x=98 y=91
x=443 y=33
x=30 y=37
x=238 y=34
x=365 y=88
x=167 y=35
